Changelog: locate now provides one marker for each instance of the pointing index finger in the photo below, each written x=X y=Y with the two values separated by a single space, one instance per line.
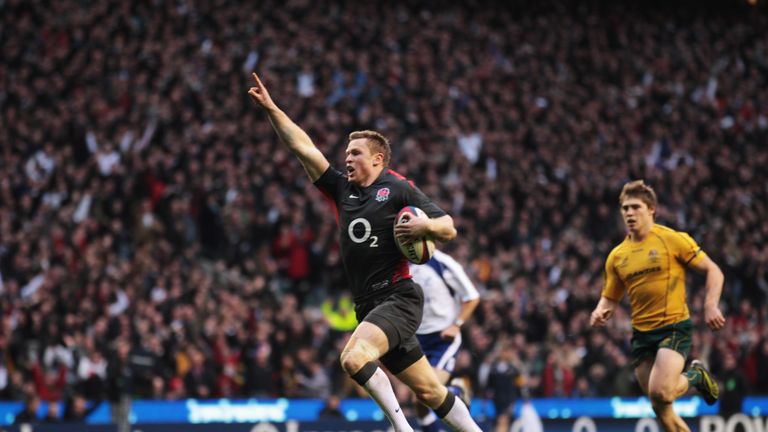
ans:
x=256 y=78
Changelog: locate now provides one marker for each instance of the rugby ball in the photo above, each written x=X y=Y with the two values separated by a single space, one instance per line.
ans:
x=417 y=251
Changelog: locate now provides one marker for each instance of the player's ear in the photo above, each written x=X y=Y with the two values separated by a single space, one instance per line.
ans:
x=378 y=159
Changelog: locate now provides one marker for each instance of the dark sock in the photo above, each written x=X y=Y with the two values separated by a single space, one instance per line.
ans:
x=365 y=373
x=446 y=406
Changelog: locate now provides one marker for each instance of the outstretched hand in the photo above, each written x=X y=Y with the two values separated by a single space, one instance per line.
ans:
x=450 y=333
x=260 y=94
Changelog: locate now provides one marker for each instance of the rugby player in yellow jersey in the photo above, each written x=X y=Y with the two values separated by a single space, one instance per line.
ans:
x=650 y=265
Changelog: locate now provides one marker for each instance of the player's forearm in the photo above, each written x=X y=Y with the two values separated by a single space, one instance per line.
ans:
x=466 y=309
x=289 y=132
x=442 y=228
x=606 y=304
x=300 y=144
x=603 y=312
x=714 y=285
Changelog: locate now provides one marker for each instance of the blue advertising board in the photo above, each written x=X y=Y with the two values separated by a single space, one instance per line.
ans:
x=738 y=422
x=252 y=411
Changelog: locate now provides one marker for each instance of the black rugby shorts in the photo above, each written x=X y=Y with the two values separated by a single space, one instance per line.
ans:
x=398 y=315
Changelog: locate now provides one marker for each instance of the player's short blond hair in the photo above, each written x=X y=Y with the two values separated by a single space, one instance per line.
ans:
x=377 y=143
x=638 y=189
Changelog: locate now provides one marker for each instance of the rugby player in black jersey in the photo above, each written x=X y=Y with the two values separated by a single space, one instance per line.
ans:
x=367 y=197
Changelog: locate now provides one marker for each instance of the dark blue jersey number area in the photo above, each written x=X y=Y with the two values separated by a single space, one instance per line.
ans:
x=365 y=216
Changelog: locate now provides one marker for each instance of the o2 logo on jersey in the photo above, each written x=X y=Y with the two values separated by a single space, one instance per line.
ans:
x=382 y=194
x=366 y=232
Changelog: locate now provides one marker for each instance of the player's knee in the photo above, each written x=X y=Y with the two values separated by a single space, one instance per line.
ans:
x=353 y=360
x=427 y=398
x=430 y=396
x=350 y=362
x=660 y=396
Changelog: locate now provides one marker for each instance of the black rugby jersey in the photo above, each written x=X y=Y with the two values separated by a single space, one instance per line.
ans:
x=366 y=217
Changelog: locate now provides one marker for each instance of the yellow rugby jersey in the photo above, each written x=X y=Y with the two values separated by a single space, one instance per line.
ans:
x=653 y=273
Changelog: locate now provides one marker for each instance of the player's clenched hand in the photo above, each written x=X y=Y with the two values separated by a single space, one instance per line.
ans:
x=260 y=94
x=450 y=333
x=714 y=317
x=600 y=317
x=413 y=228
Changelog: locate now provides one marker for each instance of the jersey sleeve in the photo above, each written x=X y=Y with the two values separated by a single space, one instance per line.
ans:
x=613 y=288
x=415 y=197
x=332 y=183
x=455 y=276
x=685 y=248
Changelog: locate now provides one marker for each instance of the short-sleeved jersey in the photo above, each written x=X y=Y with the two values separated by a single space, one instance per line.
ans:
x=652 y=272
x=445 y=285
x=366 y=217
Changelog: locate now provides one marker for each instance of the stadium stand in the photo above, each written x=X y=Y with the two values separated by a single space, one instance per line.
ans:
x=155 y=240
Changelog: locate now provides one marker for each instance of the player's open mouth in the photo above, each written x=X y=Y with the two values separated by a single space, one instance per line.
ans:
x=350 y=170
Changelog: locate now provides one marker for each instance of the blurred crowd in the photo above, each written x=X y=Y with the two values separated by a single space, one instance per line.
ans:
x=157 y=241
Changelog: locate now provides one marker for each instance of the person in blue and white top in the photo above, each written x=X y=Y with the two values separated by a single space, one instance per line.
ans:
x=450 y=298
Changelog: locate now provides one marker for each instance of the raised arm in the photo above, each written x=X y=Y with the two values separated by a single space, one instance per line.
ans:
x=714 y=288
x=297 y=141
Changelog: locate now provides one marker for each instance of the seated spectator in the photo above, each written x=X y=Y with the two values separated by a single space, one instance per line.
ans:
x=52 y=413
x=330 y=410
x=77 y=408
x=29 y=414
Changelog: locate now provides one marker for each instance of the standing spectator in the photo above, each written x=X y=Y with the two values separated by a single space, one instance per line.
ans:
x=762 y=359
x=199 y=381
x=145 y=363
x=49 y=382
x=259 y=373
x=557 y=378
x=120 y=376
x=92 y=373
x=733 y=385
x=501 y=375
x=314 y=381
